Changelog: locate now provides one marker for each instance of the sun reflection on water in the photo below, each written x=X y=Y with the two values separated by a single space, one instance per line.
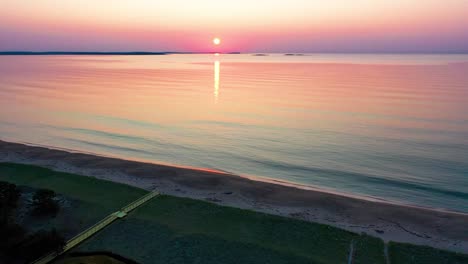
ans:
x=216 y=80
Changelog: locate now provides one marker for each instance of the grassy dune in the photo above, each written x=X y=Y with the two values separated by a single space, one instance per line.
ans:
x=178 y=230
x=89 y=259
x=411 y=254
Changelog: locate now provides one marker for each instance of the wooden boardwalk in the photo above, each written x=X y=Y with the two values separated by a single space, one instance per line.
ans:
x=97 y=227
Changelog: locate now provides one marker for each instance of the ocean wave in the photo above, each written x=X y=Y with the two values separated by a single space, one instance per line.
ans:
x=355 y=177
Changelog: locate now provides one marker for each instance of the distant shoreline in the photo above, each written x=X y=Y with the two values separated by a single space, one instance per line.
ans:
x=389 y=221
x=79 y=53
x=132 y=53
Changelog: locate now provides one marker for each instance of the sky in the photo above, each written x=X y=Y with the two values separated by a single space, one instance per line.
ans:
x=427 y=26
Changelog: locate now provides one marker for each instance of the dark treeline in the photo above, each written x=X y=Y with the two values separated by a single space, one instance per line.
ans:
x=16 y=245
x=134 y=53
x=80 y=53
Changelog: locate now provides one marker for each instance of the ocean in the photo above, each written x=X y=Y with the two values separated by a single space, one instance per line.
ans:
x=392 y=127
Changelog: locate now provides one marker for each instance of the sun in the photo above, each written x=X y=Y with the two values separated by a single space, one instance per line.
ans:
x=216 y=41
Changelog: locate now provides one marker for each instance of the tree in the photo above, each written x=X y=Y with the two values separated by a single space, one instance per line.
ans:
x=9 y=196
x=37 y=245
x=44 y=203
x=10 y=235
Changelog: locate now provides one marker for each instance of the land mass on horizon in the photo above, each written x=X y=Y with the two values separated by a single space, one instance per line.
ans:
x=104 y=53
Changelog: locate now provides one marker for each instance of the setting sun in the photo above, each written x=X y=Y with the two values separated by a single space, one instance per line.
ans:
x=216 y=41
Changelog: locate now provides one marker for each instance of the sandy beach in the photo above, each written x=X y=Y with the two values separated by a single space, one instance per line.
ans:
x=389 y=221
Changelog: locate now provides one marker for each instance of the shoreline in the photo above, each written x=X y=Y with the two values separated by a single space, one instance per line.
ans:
x=380 y=218
x=249 y=177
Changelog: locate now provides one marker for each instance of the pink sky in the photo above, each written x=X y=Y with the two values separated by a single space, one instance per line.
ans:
x=243 y=25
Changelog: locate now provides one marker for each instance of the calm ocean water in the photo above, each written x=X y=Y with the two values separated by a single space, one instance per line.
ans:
x=388 y=126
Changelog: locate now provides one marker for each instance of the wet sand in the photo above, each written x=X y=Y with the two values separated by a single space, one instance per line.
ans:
x=389 y=221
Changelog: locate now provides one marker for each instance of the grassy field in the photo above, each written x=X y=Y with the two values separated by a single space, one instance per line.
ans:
x=86 y=189
x=92 y=199
x=411 y=254
x=177 y=230
x=101 y=259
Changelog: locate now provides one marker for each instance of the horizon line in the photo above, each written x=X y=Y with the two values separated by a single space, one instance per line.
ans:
x=52 y=52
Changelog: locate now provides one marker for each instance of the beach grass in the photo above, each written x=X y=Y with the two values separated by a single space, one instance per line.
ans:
x=180 y=230
x=368 y=250
x=411 y=254
x=241 y=232
x=93 y=199
x=87 y=189
x=101 y=259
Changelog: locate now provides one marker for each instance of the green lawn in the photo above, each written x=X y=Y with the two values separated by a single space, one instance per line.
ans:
x=214 y=234
x=93 y=199
x=97 y=259
x=87 y=189
x=411 y=254
x=177 y=230
x=369 y=250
